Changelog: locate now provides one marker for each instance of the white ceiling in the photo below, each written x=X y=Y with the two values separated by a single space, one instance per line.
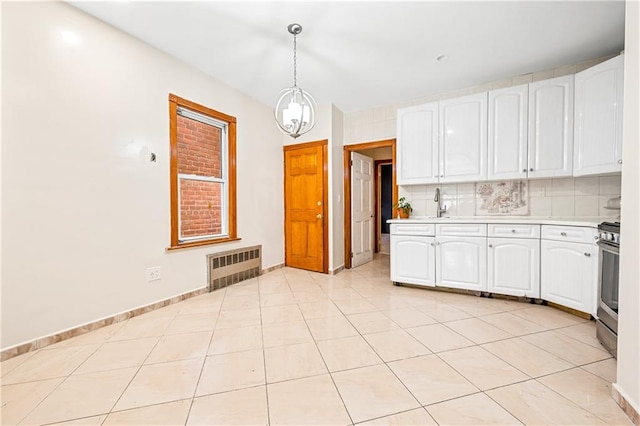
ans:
x=362 y=54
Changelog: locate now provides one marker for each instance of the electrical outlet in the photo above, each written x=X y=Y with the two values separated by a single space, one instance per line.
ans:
x=153 y=274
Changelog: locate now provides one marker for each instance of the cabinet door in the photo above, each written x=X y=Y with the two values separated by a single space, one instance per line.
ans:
x=507 y=145
x=417 y=145
x=551 y=128
x=514 y=266
x=463 y=139
x=598 y=126
x=569 y=274
x=461 y=262
x=413 y=260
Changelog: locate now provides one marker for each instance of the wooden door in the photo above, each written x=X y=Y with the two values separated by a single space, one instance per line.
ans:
x=362 y=235
x=305 y=192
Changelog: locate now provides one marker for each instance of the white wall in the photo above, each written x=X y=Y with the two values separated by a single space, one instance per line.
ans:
x=628 y=382
x=337 y=185
x=83 y=214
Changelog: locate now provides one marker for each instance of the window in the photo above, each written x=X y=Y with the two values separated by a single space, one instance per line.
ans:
x=203 y=187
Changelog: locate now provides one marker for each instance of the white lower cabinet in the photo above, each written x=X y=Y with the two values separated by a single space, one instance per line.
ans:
x=413 y=259
x=568 y=274
x=513 y=266
x=461 y=262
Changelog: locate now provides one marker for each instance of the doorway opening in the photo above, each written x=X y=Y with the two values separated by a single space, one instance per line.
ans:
x=356 y=231
x=384 y=194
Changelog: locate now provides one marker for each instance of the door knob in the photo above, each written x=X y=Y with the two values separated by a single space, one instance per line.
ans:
x=371 y=215
x=318 y=216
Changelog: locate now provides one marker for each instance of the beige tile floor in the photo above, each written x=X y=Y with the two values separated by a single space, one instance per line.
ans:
x=294 y=347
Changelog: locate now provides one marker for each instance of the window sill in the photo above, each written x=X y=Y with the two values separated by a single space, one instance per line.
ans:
x=202 y=243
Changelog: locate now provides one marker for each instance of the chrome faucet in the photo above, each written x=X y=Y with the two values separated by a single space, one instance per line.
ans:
x=439 y=208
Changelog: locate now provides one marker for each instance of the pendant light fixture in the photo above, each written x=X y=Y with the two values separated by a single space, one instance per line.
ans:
x=295 y=110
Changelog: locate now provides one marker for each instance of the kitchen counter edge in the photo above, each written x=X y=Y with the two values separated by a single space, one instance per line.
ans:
x=580 y=221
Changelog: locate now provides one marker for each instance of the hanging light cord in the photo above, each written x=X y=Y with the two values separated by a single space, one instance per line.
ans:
x=295 y=61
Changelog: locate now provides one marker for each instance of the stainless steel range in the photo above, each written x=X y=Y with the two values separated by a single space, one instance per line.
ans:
x=607 y=324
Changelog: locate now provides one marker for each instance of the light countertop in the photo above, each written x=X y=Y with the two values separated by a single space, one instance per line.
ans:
x=568 y=221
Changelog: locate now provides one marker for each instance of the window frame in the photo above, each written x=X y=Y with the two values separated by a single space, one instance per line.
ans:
x=176 y=102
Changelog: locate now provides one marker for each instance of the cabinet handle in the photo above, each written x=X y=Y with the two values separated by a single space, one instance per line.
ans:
x=619 y=161
x=441 y=175
x=490 y=245
x=531 y=169
x=513 y=231
x=524 y=170
x=432 y=244
x=588 y=254
x=564 y=234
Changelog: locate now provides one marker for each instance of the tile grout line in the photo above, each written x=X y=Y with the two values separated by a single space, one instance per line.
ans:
x=315 y=343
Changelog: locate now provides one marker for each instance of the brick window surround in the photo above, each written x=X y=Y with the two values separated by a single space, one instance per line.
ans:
x=202 y=170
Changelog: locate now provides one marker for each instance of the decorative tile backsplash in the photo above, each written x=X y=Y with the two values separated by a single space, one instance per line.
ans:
x=507 y=197
x=564 y=197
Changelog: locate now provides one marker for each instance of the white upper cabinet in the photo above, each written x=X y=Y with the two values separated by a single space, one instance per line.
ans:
x=551 y=128
x=508 y=118
x=417 y=147
x=598 y=124
x=463 y=138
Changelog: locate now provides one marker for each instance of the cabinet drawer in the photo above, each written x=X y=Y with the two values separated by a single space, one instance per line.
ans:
x=427 y=229
x=574 y=234
x=506 y=230
x=462 y=230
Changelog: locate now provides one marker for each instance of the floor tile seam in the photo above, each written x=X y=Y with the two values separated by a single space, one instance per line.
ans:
x=529 y=377
x=574 y=404
x=409 y=334
x=392 y=414
x=386 y=364
x=601 y=348
x=42 y=400
x=204 y=361
x=476 y=392
x=535 y=377
x=567 y=360
x=264 y=355
x=503 y=407
x=136 y=408
x=335 y=386
x=62 y=376
x=595 y=374
x=517 y=335
x=5 y=372
x=437 y=354
x=134 y=376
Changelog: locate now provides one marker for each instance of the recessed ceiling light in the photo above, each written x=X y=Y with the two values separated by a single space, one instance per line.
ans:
x=442 y=58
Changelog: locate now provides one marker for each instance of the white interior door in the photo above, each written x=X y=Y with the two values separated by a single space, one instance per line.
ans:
x=362 y=235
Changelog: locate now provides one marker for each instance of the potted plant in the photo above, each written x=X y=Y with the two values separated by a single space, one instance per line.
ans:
x=404 y=208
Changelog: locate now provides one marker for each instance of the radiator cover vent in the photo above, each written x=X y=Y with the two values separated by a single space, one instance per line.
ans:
x=231 y=267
